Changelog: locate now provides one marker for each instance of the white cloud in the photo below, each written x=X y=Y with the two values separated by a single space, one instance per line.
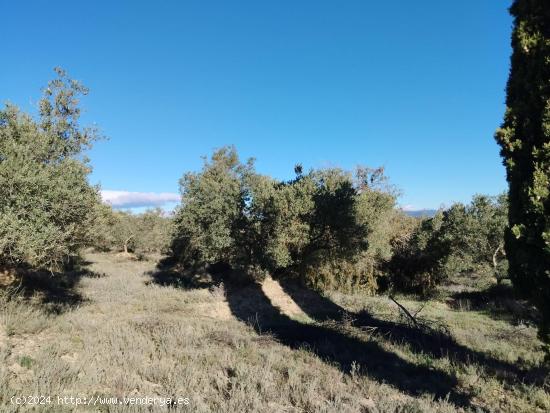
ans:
x=409 y=207
x=126 y=199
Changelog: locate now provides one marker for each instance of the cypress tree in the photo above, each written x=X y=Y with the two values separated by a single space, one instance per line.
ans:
x=524 y=138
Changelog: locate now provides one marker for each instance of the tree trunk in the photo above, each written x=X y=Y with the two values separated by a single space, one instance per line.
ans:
x=495 y=263
x=126 y=243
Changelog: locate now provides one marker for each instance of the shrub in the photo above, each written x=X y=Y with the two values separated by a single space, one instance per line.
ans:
x=328 y=228
x=464 y=239
x=359 y=273
x=103 y=228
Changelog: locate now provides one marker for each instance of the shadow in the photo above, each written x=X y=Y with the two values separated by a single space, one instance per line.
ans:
x=55 y=292
x=434 y=341
x=499 y=302
x=250 y=305
x=167 y=273
x=335 y=344
x=311 y=302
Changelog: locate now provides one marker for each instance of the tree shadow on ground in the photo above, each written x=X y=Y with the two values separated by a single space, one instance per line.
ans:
x=168 y=273
x=499 y=302
x=55 y=292
x=249 y=304
x=436 y=342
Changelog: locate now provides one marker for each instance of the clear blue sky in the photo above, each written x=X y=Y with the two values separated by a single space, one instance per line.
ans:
x=415 y=86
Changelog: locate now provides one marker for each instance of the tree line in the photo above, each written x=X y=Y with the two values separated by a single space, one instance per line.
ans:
x=330 y=228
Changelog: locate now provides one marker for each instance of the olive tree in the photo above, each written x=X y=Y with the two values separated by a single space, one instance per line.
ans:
x=211 y=221
x=311 y=221
x=464 y=239
x=153 y=232
x=314 y=227
x=46 y=202
x=122 y=231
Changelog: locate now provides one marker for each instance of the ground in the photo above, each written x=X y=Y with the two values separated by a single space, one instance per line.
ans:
x=124 y=328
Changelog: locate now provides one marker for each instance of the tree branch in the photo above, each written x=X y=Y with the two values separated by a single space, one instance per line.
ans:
x=407 y=313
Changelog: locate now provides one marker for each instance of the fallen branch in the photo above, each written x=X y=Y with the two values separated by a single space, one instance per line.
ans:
x=405 y=311
x=419 y=310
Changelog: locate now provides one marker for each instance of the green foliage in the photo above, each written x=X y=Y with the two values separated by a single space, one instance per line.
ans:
x=26 y=362
x=524 y=138
x=464 y=239
x=144 y=233
x=350 y=275
x=211 y=222
x=473 y=234
x=103 y=228
x=326 y=227
x=124 y=231
x=253 y=224
x=310 y=217
x=46 y=203
x=376 y=210
x=154 y=232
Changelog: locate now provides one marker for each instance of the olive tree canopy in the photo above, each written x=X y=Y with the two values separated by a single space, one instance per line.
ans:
x=46 y=202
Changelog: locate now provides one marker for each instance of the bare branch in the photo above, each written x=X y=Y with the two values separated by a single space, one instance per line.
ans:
x=405 y=311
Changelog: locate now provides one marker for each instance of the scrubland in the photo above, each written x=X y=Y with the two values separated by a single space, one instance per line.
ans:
x=121 y=327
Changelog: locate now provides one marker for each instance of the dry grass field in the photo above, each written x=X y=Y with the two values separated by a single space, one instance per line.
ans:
x=124 y=328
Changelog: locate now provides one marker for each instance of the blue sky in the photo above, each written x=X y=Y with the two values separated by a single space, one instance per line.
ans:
x=417 y=87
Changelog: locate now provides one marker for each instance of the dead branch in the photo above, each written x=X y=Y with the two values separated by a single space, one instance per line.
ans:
x=419 y=310
x=405 y=311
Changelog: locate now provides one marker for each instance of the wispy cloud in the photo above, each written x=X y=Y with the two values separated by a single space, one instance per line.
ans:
x=126 y=199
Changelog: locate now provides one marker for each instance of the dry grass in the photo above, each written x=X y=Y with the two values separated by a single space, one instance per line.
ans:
x=270 y=348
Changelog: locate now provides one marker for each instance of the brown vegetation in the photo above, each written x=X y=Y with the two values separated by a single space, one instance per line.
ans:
x=273 y=346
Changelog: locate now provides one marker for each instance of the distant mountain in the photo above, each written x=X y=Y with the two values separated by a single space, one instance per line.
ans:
x=424 y=213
